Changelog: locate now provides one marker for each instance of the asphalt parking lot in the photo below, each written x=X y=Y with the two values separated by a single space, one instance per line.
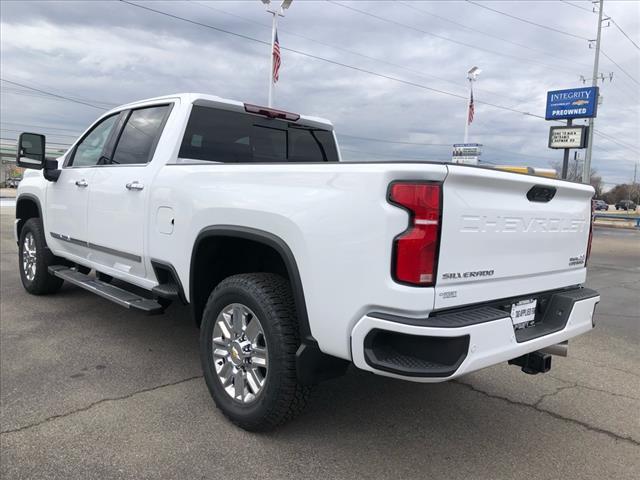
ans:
x=90 y=390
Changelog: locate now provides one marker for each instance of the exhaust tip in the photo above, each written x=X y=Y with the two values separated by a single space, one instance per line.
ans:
x=559 y=349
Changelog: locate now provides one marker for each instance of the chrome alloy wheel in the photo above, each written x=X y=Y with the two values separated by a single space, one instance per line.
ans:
x=29 y=256
x=240 y=352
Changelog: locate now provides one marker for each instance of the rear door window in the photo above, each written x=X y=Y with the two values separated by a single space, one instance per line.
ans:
x=140 y=135
x=234 y=137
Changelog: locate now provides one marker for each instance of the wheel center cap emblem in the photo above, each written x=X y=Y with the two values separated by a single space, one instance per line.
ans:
x=237 y=353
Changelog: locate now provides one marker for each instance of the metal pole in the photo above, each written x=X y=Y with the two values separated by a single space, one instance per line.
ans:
x=466 y=116
x=565 y=160
x=633 y=185
x=586 y=171
x=273 y=39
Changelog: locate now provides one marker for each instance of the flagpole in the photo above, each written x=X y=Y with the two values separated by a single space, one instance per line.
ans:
x=472 y=75
x=466 y=117
x=273 y=39
x=275 y=12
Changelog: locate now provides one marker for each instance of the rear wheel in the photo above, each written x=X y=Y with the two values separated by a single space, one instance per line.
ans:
x=35 y=259
x=248 y=341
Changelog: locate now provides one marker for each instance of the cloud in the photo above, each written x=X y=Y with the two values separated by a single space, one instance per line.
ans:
x=114 y=52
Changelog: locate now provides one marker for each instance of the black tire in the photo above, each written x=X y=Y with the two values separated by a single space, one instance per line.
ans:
x=42 y=282
x=281 y=397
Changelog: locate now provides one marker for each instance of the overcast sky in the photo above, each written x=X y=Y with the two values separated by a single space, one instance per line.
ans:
x=108 y=53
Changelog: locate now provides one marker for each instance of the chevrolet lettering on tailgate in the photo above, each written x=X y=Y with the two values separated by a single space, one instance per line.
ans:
x=478 y=223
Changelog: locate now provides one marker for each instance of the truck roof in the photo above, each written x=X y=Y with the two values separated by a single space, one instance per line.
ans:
x=225 y=104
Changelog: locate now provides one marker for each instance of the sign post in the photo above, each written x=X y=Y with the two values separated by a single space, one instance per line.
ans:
x=570 y=104
x=565 y=158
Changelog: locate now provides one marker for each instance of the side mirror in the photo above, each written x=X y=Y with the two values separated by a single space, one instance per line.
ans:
x=30 y=152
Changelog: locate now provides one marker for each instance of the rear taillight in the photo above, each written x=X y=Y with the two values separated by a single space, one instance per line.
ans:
x=415 y=251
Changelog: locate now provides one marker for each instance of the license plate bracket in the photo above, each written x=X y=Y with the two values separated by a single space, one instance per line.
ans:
x=523 y=313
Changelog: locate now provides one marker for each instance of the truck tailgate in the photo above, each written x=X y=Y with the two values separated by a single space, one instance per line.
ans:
x=503 y=236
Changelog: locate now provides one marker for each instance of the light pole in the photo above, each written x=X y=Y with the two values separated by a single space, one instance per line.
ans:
x=275 y=13
x=472 y=76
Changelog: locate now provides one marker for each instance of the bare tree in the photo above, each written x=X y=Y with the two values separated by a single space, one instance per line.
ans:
x=574 y=174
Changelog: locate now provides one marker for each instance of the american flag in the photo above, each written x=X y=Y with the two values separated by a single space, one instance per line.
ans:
x=276 y=59
x=472 y=109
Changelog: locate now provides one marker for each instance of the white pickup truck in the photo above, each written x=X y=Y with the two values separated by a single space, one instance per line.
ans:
x=296 y=264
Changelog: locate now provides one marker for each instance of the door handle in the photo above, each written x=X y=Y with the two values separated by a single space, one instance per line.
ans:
x=134 y=185
x=82 y=183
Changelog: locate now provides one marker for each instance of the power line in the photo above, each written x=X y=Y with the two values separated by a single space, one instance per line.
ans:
x=383 y=155
x=50 y=134
x=620 y=143
x=524 y=20
x=311 y=56
x=342 y=49
x=577 y=6
x=610 y=18
x=624 y=33
x=21 y=91
x=448 y=39
x=38 y=126
x=371 y=139
x=48 y=143
x=380 y=140
x=621 y=69
x=334 y=62
x=536 y=157
x=35 y=84
x=497 y=37
x=52 y=94
x=352 y=52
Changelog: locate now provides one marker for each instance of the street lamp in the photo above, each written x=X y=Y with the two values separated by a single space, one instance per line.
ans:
x=472 y=76
x=473 y=73
x=275 y=12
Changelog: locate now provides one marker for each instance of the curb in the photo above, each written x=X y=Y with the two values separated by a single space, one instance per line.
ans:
x=615 y=226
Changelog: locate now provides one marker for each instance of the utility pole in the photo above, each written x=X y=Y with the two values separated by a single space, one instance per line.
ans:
x=634 y=185
x=586 y=171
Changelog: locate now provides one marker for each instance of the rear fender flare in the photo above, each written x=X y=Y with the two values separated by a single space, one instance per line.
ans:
x=277 y=244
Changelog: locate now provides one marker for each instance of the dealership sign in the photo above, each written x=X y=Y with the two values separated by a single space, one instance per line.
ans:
x=572 y=103
x=568 y=137
x=466 y=153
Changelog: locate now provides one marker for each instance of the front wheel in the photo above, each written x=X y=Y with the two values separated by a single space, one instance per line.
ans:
x=248 y=341
x=35 y=259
